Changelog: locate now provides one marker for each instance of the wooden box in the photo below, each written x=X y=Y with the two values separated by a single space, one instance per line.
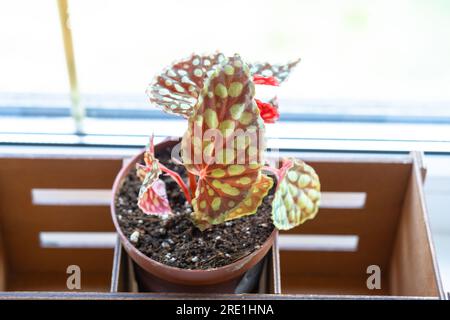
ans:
x=373 y=214
x=44 y=222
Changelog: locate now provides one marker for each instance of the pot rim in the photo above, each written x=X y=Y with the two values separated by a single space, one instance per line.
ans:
x=129 y=246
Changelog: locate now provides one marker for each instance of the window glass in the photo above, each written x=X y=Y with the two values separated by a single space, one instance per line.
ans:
x=370 y=59
x=32 y=65
x=358 y=57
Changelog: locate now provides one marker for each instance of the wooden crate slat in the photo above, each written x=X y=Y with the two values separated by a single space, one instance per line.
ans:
x=413 y=268
x=22 y=221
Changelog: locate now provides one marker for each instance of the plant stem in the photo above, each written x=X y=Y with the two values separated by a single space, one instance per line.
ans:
x=175 y=176
x=192 y=183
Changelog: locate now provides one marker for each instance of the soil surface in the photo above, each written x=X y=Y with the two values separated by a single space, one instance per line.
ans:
x=175 y=241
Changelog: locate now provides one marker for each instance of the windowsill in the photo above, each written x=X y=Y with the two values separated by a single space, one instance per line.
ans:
x=288 y=135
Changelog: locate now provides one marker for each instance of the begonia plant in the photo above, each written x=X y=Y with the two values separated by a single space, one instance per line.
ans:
x=223 y=147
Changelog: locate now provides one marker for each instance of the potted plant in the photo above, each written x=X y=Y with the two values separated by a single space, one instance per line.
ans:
x=199 y=222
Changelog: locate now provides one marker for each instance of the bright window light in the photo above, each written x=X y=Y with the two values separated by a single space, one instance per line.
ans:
x=359 y=58
x=31 y=52
x=372 y=55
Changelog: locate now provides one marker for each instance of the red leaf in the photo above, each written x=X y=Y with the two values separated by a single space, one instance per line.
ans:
x=152 y=195
x=177 y=88
x=153 y=199
x=227 y=166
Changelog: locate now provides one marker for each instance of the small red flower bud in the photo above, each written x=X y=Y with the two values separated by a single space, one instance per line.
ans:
x=267 y=111
x=269 y=81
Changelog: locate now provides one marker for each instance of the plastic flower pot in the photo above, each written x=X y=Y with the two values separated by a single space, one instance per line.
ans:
x=158 y=277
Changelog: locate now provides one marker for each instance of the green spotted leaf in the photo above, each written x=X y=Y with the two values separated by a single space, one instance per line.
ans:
x=224 y=147
x=297 y=197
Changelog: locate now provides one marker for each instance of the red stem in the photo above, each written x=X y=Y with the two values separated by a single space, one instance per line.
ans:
x=175 y=176
x=192 y=183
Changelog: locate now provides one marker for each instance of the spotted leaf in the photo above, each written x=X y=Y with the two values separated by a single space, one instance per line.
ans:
x=280 y=72
x=177 y=88
x=253 y=199
x=152 y=194
x=153 y=198
x=151 y=164
x=224 y=146
x=297 y=197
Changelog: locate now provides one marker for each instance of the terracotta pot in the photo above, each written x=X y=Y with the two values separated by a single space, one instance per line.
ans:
x=155 y=276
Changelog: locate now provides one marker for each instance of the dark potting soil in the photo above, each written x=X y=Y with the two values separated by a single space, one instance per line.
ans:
x=175 y=241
